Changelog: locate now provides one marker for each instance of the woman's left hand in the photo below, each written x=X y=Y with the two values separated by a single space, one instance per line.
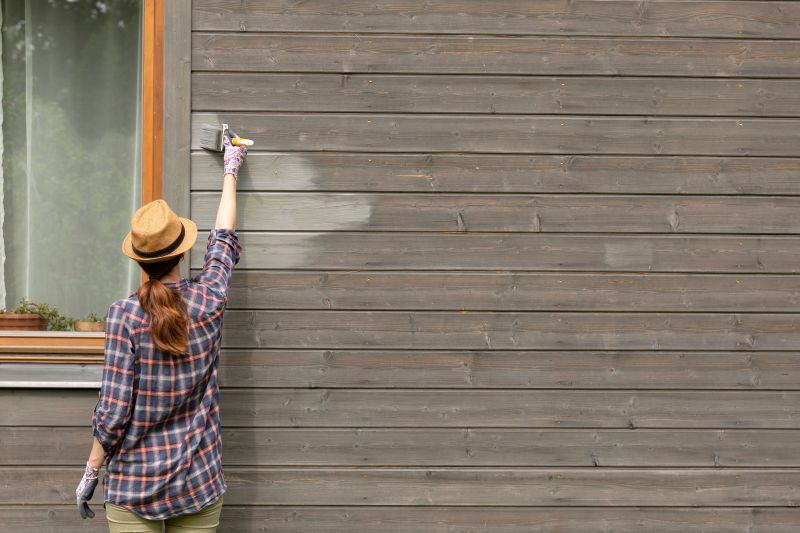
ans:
x=85 y=491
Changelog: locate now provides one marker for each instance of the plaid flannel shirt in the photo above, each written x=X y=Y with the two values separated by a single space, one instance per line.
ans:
x=157 y=416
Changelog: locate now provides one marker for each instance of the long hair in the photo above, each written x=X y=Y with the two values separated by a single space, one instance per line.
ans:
x=169 y=320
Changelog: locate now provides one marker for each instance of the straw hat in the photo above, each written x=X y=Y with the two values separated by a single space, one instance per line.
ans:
x=157 y=234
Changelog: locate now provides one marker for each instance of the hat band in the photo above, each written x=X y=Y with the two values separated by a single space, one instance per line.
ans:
x=163 y=251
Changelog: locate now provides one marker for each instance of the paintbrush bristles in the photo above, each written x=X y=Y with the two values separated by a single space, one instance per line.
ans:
x=211 y=137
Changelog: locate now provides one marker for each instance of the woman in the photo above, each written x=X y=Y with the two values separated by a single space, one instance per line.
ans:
x=157 y=418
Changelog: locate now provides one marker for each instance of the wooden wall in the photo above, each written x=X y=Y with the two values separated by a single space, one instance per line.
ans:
x=509 y=265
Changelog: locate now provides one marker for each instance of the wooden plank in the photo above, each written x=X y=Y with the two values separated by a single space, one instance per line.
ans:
x=562 y=487
x=513 y=520
x=448 y=408
x=342 y=250
x=362 y=132
x=470 y=330
x=493 y=94
x=54 y=374
x=459 y=486
x=511 y=291
x=475 y=447
x=177 y=37
x=293 y=519
x=503 y=173
x=435 y=408
x=288 y=519
x=510 y=17
x=517 y=369
x=32 y=518
x=469 y=54
x=450 y=447
x=281 y=211
x=18 y=342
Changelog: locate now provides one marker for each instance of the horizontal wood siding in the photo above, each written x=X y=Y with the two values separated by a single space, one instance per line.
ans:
x=664 y=18
x=442 y=54
x=511 y=213
x=509 y=173
x=452 y=447
x=411 y=93
x=473 y=251
x=508 y=266
x=437 y=408
x=469 y=487
x=515 y=134
x=444 y=519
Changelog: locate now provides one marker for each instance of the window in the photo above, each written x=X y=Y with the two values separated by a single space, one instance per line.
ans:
x=71 y=149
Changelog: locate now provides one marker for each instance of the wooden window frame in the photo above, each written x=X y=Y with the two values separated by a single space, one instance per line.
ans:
x=79 y=347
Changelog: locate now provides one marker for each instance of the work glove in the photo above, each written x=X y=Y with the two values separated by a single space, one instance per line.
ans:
x=233 y=157
x=85 y=491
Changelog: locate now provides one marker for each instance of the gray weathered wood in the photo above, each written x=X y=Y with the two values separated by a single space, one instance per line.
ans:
x=377 y=519
x=471 y=369
x=565 y=487
x=513 y=520
x=438 y=408
x=51 y=519
x=450 y=447
x=511 y=17
x=512 y=291
x=515 y=134
x=504 y=447
x=177 y=106
x=405 y=352
x=517 y=369
x=54 y=374
x=503 y=173
x=494 y=55
x=456 y=251
x=280 y=211
x=510 y=330
x=493 y=94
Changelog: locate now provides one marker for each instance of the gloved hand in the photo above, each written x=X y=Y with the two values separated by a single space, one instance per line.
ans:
x=233 y=157
x=85 y=491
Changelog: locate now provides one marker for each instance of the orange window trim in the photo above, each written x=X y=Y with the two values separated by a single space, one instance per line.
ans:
x=153 y=100
x=88 y=348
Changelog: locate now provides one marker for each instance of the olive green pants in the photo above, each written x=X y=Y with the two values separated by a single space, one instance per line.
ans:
x=206 y=520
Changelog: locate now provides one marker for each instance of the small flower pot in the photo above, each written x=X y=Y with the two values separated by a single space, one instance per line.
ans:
x=84 y=325
x=25 y=322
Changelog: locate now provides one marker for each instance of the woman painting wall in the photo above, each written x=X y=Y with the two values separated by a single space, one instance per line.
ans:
x=157 y=419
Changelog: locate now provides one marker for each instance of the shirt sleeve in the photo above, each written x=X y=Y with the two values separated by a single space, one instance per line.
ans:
x=222 y=254
x=113 y=410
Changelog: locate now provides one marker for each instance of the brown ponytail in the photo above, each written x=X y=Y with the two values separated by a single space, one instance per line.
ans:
x=169 y=320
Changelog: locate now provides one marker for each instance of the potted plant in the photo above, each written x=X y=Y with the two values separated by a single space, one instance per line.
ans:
x=28 y=316
x=25 y=316
x=91 y=322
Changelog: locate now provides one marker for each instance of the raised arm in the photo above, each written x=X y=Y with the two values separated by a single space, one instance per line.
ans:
x=226 y=213
x=232 y=160
x=223 y=249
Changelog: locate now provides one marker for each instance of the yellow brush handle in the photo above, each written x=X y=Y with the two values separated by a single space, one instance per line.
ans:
x=239 y=141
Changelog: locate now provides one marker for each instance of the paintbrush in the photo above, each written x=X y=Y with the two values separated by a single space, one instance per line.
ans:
x=211 y=138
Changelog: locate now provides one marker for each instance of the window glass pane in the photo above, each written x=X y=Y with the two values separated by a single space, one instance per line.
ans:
x=70 y=151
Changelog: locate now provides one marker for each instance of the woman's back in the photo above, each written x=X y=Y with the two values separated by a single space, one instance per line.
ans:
x=161 y=410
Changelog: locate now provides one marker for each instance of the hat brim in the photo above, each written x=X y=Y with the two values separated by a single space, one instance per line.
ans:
x=189 y=238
